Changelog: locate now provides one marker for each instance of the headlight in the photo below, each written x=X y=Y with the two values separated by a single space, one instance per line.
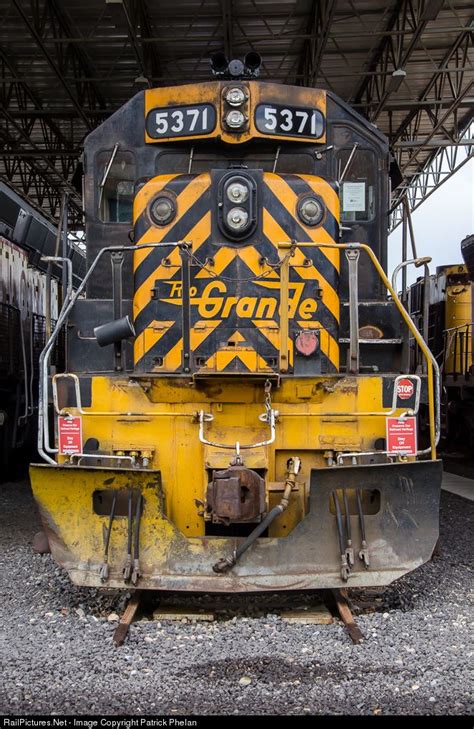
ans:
x=237 y=192
x=235 y=119
x=163 y=210
x=310 y=210
x=235 y=96
x=237 y=219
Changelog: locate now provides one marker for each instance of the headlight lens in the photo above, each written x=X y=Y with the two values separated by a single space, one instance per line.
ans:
x=237 y=219
x=235 y=119
x=235 y=96
x=310 y=210
x=237 y=192
x=163 y=210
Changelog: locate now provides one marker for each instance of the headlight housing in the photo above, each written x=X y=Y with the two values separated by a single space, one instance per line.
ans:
x=235 y=96
x=235 y=119
x=237 y=219
x=163 y=209
x=237 y=192
x=311 y=210
x=237 y=205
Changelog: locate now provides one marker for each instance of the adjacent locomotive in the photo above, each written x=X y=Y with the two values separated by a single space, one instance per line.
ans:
x=448 y=316
x=25 y=236
x=236 y=413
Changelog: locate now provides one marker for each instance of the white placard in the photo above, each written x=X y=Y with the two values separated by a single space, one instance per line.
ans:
x=353 y=196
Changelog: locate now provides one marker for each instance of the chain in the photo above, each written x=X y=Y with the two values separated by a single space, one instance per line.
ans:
x=272 y=268
x=268 y=398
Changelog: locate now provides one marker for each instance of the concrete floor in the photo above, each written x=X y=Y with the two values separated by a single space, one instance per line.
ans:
x=458 y=485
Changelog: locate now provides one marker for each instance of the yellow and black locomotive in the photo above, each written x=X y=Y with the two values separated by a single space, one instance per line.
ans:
x=236 y=412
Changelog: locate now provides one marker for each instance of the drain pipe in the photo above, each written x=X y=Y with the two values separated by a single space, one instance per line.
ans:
x=226 y=563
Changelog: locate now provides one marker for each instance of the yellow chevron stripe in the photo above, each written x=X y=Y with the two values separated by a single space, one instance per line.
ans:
x=222 y=258
x=148 y=191
x=330 y=297
x=321 y=187
x=200 y=232
x=222 y=359
x=149 y=337
x=200 y=332
x=289 y=199
x=173 y=358
x=185 y=200
x=252 y=259
x=271 y=331
x=274 y=232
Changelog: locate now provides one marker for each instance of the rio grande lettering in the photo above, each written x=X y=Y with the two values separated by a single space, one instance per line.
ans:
x=215 y=302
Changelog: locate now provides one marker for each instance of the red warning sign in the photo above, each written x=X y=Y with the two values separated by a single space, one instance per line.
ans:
x=401 y=436
x=70 y=435
x=405 y=389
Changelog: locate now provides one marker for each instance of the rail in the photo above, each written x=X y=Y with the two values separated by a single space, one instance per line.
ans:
x=458 y=350
x=433 y=374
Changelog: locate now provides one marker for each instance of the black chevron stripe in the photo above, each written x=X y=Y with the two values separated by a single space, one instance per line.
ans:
x=178 y=232
x=176 y=186
x=295 y=232
x=167 y=342
x=300 y=187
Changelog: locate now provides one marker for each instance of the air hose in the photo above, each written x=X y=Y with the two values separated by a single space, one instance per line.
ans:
x=226 y=563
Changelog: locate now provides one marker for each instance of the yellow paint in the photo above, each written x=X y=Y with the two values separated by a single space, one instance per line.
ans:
x=458 y=314
x=211 y=93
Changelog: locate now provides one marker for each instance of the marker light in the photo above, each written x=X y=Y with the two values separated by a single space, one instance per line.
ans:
x=310 y=210
x=163 y=210
x=307 y=343
x=237 y=219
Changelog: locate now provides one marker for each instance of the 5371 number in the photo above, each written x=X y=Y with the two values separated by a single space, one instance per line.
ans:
x=288 y=120
x=180 y=121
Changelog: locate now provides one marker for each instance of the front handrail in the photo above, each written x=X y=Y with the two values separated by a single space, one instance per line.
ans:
x=432 y=370
x=70 y=300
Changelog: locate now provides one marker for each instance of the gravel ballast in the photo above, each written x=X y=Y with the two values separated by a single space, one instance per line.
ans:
x=57 y=654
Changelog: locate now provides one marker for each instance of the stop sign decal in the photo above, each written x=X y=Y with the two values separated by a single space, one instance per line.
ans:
x=405 y=389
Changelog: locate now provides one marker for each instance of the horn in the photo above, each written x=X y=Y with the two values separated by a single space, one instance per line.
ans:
x=219 y=63
x=253 y=61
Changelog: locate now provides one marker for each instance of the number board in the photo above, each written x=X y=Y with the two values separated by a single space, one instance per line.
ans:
x=289 y=121
x=180 y=121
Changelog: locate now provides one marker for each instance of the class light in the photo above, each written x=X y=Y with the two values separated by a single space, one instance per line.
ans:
x=235 y=119
x=235 y=96
x=163 y=210
x=307 y=343
x=237 y=192
x=310 y=210
x=237 y=219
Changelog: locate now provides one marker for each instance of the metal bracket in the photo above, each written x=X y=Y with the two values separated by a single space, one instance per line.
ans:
x=269 y=418
x=116 y=258
x=353 y=353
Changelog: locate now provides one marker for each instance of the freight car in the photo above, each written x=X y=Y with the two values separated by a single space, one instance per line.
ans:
x=448 y=317
x=235 y=413
x=25 y=236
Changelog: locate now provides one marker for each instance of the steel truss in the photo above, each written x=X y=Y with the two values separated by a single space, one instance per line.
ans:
x=405 y=64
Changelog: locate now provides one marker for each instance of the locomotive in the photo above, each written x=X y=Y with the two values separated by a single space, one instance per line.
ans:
x=237 y=411
x=26 y=236
x=447 y=315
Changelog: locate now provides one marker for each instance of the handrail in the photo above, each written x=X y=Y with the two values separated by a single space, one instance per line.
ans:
x=69 y=301
x=433 y=371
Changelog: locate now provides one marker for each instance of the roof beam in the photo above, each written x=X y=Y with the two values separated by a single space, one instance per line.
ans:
x=51 y=63
x=315 y=36
x=70 y=32
x=227 y=31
